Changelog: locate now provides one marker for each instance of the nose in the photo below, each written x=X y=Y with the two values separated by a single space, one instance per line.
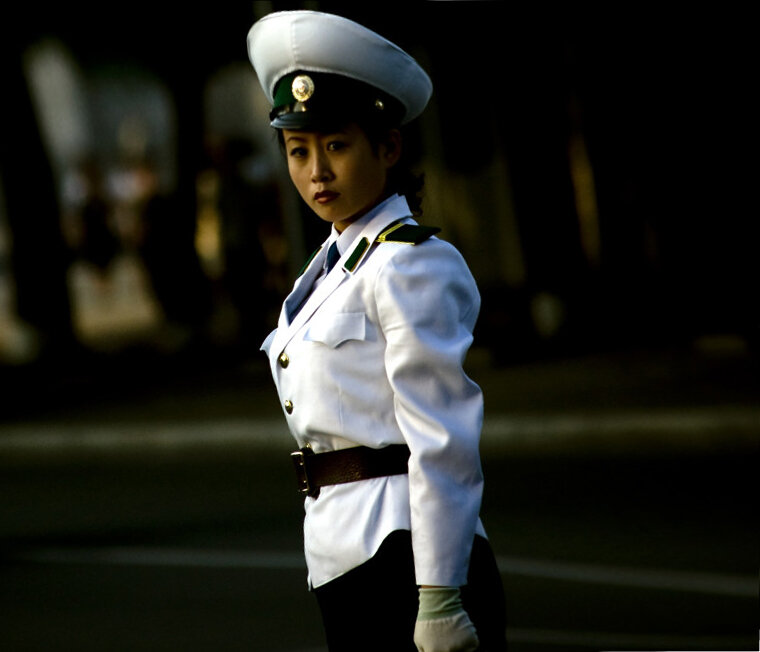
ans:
x=321 y=170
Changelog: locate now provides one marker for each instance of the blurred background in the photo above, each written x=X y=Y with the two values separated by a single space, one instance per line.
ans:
x=584 y=165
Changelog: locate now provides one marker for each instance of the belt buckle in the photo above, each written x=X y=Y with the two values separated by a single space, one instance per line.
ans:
x=302 y=473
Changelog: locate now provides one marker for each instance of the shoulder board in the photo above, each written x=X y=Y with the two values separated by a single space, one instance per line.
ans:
x=308 y=261
x=407 y=233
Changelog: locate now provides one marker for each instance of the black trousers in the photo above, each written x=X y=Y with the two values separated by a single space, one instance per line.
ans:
x=373 y=607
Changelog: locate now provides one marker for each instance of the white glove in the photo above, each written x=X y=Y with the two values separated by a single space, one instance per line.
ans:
x=442 y=623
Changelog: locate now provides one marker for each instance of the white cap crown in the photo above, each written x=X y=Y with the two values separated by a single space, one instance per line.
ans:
x=291 y=41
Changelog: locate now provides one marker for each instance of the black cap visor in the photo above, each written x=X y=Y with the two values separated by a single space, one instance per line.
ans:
x=310 y=120
x=333 y=101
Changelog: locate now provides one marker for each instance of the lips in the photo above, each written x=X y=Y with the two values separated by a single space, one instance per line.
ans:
x=325 y=196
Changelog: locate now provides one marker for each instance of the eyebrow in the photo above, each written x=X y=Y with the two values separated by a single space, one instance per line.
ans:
x=320 y=134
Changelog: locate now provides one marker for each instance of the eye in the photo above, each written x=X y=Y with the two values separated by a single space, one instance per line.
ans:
x=336 y=145
x=297 y=152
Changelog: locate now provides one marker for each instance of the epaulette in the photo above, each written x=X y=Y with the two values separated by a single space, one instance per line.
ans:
x=411 y=234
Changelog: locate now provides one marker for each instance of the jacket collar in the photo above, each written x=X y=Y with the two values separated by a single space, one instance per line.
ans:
x=393 y=208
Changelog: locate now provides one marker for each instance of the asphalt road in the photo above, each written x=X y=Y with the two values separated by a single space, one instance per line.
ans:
x=122 y=530
x=203 y=553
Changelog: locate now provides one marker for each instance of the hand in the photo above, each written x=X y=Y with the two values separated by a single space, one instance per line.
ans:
x=450 y=634
x=442 y=623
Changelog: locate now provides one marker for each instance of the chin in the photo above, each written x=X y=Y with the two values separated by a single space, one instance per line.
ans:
x=328 y=215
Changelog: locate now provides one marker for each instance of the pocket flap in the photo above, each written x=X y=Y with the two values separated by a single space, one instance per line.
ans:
x=334 y=329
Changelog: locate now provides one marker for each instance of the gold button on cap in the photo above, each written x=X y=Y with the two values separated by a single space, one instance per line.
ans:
x=289 y=407
x=284 y=360
x=302 y=88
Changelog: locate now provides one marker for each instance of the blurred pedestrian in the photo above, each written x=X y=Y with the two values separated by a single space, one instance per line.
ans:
x=245 y=210
x=98 y=243
x=367 y=356
x=166 y=245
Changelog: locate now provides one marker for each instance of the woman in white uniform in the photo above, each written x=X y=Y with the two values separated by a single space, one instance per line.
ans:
x=367 y=355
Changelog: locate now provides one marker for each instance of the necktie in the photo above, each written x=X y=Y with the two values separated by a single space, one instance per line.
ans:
x=333 y=255
x=292 y=309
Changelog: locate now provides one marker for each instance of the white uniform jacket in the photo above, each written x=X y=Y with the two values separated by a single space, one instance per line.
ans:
x=374 y=357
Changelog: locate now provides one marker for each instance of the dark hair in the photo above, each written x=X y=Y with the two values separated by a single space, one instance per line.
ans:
x=402 y=177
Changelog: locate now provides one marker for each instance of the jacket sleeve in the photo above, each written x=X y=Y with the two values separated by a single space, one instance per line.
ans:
x=428 y=303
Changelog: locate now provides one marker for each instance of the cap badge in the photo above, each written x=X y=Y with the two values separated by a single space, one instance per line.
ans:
x=302 y=88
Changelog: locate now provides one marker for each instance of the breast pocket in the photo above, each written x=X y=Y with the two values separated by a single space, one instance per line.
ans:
x=336 y=328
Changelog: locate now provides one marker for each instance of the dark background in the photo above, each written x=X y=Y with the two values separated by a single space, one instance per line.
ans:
x=651 y=95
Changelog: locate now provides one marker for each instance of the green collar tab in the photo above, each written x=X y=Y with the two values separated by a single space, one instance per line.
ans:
x=356 y=255
x=308 y=262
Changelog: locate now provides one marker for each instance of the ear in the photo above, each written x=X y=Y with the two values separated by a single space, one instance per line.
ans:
x=391 y=148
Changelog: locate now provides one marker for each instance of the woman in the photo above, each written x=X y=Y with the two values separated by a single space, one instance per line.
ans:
x=367 y=356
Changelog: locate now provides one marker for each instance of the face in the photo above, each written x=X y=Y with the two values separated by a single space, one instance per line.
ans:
x=339 y=175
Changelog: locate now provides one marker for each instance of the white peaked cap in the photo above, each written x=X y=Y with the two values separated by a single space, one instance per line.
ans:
x=285 y=42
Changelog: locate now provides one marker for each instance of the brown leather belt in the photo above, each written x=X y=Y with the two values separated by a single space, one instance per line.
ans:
x=315 y=470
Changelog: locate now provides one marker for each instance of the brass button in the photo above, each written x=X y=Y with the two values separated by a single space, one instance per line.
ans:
x=302 y=88
x=289 y=407
x=284 y=360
